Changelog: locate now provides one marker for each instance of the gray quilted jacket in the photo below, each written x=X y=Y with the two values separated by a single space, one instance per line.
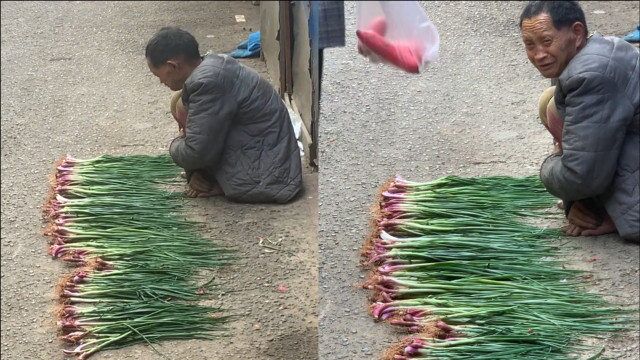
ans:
x=598 y=97
x=239 y=130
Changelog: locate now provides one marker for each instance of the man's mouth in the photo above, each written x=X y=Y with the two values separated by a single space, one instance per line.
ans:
x=545 y=66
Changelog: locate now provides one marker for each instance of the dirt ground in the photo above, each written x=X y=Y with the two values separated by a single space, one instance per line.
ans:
x=75 y=81
x=473 y=113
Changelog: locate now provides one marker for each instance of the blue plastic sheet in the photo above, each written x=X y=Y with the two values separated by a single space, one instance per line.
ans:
x=633 y=36
x=248 y=48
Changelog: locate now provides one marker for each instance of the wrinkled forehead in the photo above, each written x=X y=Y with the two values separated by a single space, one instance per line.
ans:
x=539 y=25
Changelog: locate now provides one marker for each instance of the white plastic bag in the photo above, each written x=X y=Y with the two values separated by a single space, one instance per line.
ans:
x=398 y=33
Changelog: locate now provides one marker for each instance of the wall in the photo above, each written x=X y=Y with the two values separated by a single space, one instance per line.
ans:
x=269 y=26
x=300 y=63
x=301 y=100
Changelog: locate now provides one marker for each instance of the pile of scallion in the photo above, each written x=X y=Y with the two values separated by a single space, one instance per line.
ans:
x=141 y=269
x=457 y=262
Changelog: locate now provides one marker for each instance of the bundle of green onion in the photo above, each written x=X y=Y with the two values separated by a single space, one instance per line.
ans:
x=140 y=265
x=457 y=262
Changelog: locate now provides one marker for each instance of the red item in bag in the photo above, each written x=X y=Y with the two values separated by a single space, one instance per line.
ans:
x=397 y=33
x=377 y=25
x=401 y=54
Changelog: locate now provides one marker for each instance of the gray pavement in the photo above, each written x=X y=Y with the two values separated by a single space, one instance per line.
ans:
x=75 y=80
x=473 y=113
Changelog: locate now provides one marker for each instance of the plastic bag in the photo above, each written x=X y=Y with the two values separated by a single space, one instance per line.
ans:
x=248 y=48
x=398 y=33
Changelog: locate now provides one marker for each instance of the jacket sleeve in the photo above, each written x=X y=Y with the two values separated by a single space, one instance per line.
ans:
x=595 y=120
x=210 y=115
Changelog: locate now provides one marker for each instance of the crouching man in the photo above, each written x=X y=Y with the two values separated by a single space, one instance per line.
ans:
x=236 y=139
x=593 y=115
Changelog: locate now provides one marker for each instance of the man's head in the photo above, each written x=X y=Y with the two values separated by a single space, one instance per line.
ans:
x=172 y=54
x=553 y=32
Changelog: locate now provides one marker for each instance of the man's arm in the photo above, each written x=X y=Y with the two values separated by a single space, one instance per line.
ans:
x=596 y=117
x=210 y=115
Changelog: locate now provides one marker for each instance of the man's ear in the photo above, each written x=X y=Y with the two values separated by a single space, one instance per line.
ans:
x=577 y=29
x=173 y=64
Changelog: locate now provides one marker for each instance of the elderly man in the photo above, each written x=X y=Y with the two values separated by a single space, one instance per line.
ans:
x=594 y=117
x=237 y=138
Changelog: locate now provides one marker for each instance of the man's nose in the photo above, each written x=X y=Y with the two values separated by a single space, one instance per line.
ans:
x=539 y=54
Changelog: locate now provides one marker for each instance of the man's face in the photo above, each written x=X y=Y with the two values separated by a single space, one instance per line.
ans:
x=169 y=74
x=548 y=48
